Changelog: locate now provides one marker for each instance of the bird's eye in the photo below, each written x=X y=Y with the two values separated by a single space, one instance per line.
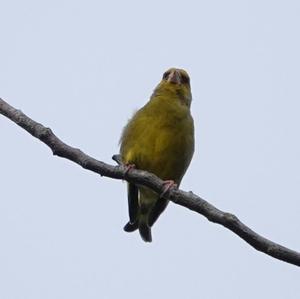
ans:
x=166 y=75
x=185 y=79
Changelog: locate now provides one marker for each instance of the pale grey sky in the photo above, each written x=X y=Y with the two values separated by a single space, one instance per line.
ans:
x=82 y=68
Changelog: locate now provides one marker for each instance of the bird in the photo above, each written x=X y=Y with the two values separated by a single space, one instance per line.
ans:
x=159 y=138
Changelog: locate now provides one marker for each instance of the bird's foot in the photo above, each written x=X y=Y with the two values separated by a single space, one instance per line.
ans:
x=168 y=186
x=128 y=167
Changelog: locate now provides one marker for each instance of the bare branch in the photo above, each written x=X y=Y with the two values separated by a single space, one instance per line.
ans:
x=186 y=199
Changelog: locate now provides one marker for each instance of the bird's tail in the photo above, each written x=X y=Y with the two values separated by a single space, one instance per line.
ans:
x=144 y=228
x=142 y=225
x=141 y=219
x=131 y=227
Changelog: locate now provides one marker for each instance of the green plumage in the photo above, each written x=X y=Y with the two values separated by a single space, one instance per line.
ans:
x=159 y=138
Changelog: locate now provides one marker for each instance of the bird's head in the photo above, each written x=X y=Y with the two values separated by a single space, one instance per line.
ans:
x=175 y=83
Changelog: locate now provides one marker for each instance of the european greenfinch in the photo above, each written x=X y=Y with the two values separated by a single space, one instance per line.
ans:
x=158 y=138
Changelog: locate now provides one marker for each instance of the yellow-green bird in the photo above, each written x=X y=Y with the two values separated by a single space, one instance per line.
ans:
x=158 y=138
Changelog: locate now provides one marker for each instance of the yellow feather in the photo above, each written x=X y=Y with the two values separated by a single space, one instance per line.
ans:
x=159 y=137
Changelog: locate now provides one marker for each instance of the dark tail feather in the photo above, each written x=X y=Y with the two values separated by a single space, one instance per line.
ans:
x=145 y=231
x=131 y=227
x=158 y=208
x=133 y=206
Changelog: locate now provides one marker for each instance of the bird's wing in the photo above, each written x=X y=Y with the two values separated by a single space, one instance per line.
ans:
x=158 y=208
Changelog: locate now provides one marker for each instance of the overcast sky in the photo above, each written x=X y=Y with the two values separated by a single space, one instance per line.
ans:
x=82 y=68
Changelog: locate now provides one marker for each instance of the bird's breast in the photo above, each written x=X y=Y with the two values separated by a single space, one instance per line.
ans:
x=160 y=139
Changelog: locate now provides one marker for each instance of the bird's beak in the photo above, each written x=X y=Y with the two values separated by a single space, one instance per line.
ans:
x=174 y=77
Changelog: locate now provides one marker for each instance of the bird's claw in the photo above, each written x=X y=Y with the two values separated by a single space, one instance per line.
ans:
x=128 y=167
x=168 y=186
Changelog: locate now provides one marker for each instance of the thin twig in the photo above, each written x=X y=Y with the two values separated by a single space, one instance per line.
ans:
x=186 y=199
